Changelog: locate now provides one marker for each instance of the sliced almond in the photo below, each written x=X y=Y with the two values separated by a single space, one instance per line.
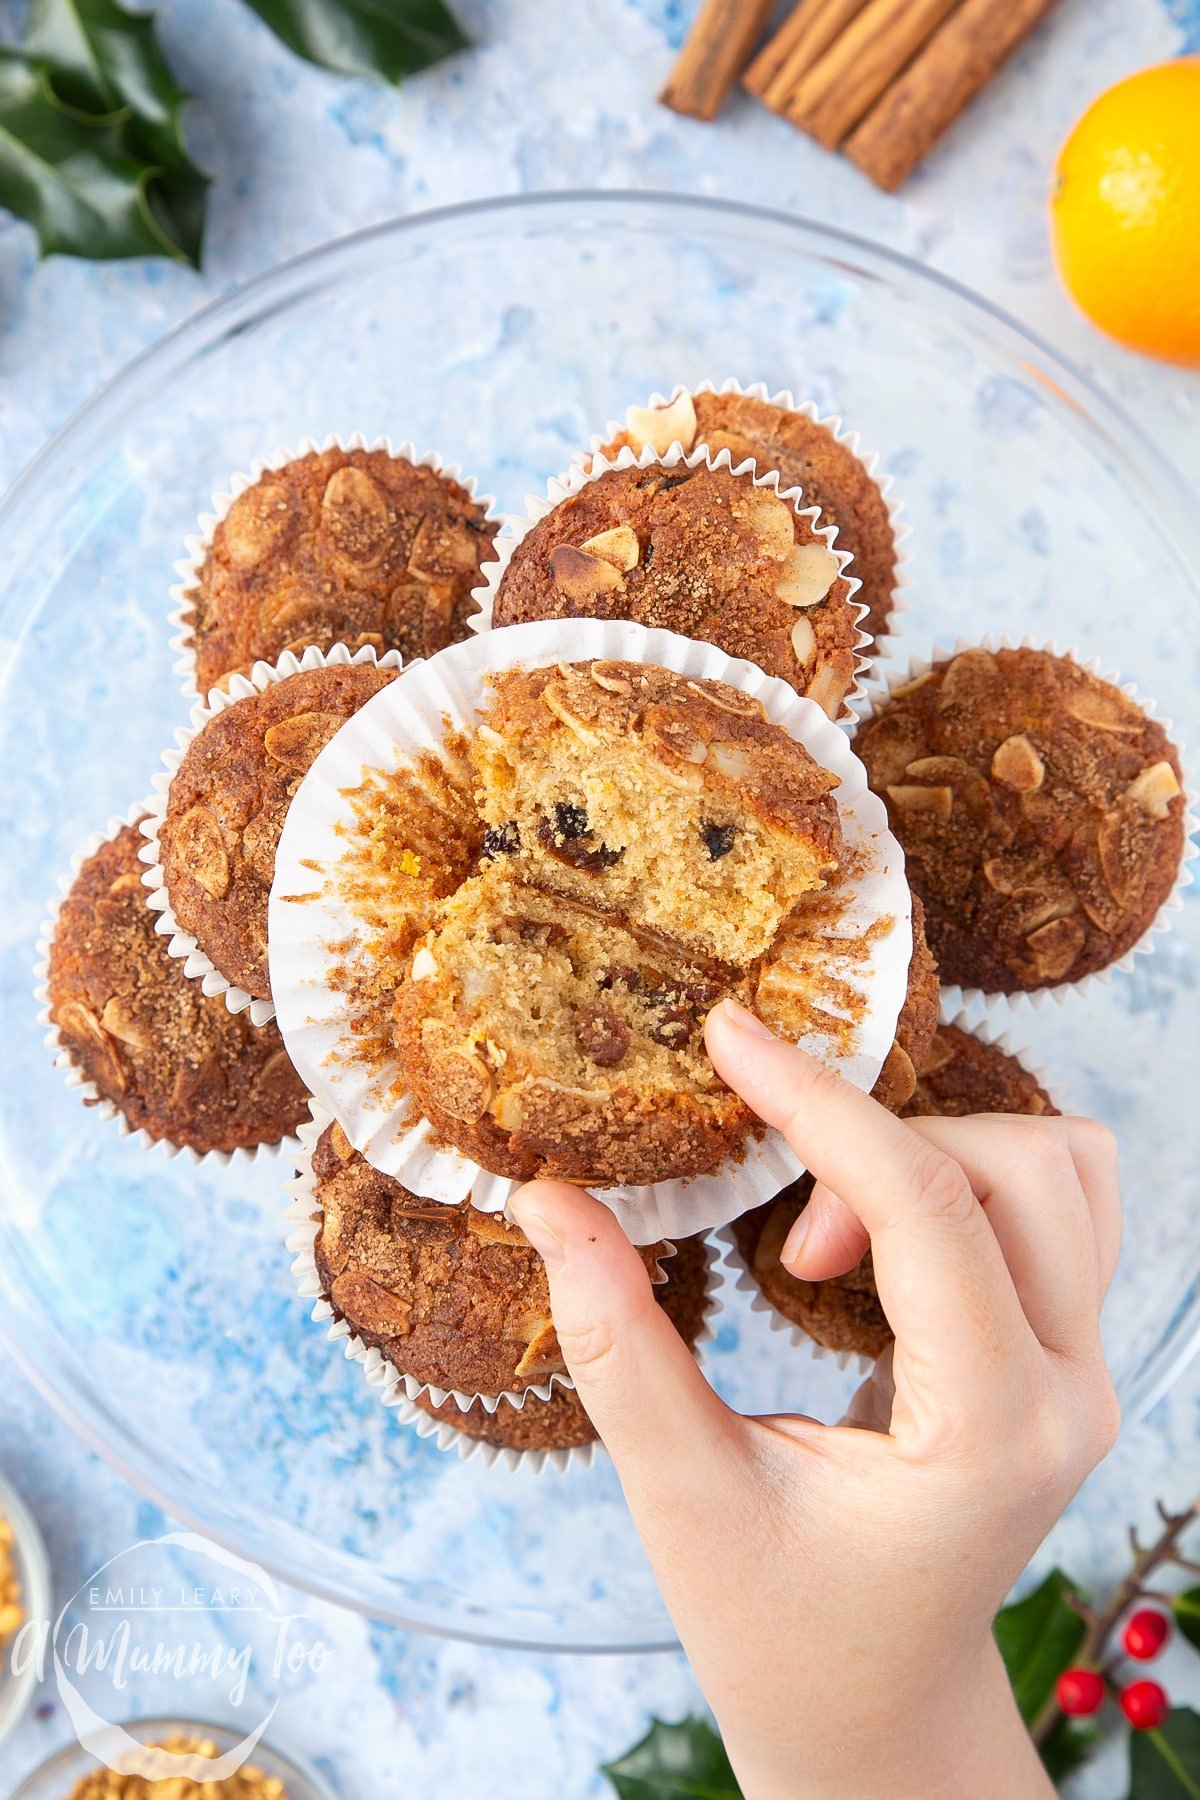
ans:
x=937 y=801
x=339 y=1143
x=554 y=698
x=949 y=769
x=1017 y=764
x=1154 y=789
x=619 y=547
x=728 y=699
x=256 y=523
x=579 y=576
x=424 y=964
x=356 y=514
x=74 y=1020
x=661 y=426
x=1105 y=709
x=461 y=1083
x=506 y=1110
x=826 y=688
x=298 y=741
x=771 y=519
x=442 y=549
x=897 y=1079
x=609 y=677
x=804 y=641
x=1055 y=946
x=940 y=1053
x=494 y=1228
x=542 y=1354
x=910 y=687
x=973 y=675
x=808 y=574
x=120 y=1021
x=370 y=1307
x=731 y=760
x=1116 y=846
x=199 y=845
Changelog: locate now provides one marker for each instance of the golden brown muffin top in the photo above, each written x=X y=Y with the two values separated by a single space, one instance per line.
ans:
x=339 y=546
x=451 y=1296
x=227 y=803
x=962 y=1074
x=176 y=1063
x=699 y=551
x=843 y=1313
x=1040 y=811
x=806 y=455
x=917 y=1022
x=561 y=1422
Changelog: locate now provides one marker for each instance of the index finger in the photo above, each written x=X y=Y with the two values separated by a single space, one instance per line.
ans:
x=941 y=1275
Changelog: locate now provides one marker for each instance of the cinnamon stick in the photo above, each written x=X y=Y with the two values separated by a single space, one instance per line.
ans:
x=959 y=59
x=805 y=34
x=843 y=86
x=716 y=50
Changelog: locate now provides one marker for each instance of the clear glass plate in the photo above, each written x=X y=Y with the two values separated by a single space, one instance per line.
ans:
x=151 y=1301
x=55 y=1779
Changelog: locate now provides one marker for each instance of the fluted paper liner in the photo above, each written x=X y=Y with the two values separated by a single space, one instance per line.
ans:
x=398 y=1390
x=262 y=676
x=562 y=487
x=877 y=693
x=884 y=644
x=183 y=614
x=740 y=1274
x=309 y=932
x=87 y=1090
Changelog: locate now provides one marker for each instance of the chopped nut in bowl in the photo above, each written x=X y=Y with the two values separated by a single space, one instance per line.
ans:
x=72 y=1773
x=25 y=1593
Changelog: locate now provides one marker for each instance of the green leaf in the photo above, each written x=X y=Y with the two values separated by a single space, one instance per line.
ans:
x=1038 y=1638
x=1067 y=1746
x=386 y=38
x=1187 y=1614
x=675 y=1762
x=78 y=185
x=1165 y=1764
x=101 y=59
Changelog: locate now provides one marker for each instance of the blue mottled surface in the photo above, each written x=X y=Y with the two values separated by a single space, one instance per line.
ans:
x=551 y=98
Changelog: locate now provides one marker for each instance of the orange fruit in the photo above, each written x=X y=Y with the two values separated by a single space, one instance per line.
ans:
x=1125 y=212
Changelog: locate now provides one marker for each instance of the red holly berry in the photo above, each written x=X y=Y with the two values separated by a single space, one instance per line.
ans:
x=1079 y=1692
x=1145 y=1705
x=1145 y=1634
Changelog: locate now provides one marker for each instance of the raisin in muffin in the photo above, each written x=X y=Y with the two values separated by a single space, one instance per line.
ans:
x=453 y=1297
x=806 y=455
x=227 y=803
x=542 y=1036
x=175 y=1063
x=673 y=801
x=1040 y=810
x=340 y=546
x=561 y=1423
x=961 y=1074
x=699 y=551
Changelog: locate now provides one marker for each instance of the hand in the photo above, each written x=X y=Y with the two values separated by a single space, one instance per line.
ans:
x=834 y=1587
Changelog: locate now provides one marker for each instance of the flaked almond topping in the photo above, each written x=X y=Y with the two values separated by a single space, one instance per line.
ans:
x=1055 y=946
x=1017 y=764
x=728 y=699
x=731 y=761
x=939 y=801
x=827 y=689
x=442 y=549
x=662 y=426
x=972 y=675
x=940 y=1053
x=554 y=697
x=580 y=576
x=771 y=519
x=910 y=687
x=494 y=1228
x=808 y=574
x=462 y=1084
x=200 y=847
x=542 y=1354
x=298 y=741
x=897 y=1076
x=940 y=768
x=256 y=522
x=339 y=1143
x=1037 y=910
x=369 y=1306
x=74 y=1020
x=619 y=547
x=609 y=677
x=506 y=1110
x=121 y=1022
x=804 y=641
x=1154 y=789
x=355 y=512
x=1104 y=710
x=424 y=964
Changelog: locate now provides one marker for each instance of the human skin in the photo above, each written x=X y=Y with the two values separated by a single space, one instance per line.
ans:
x=834 y=1586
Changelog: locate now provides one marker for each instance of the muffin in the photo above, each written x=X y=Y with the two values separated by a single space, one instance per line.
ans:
x=340 y=546
x=699 y=551
x=173 y=1062
x=807 y=455
x=1040 y=810
x=541 y=1036
x=561 y=1422
x=917 y=1022
x=671 y=800
x=453 y=1297
x=962 y=1073
x=227 y=802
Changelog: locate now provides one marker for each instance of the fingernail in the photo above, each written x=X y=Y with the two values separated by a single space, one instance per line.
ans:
x=743 y=1019
x=794 y=1242
x=545 y=1241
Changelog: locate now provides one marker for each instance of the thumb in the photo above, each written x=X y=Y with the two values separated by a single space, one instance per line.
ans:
x=636 y=1377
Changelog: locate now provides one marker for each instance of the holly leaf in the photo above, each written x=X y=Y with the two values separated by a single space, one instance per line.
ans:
x=75 y=180
x=101 y=59
x=675 y=1762
x=384 y=38
x=1165 y=1764
x=1039 y=1638
x=1187 y=1614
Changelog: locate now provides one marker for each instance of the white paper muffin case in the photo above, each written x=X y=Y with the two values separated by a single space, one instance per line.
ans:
x=562 y=487
x=884 y=645
x=311 y=932
x=73 y=1075
x=262 y=676
x=399 y=1391
x=183 y=613
x=878 y=691
x=735 y=1263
